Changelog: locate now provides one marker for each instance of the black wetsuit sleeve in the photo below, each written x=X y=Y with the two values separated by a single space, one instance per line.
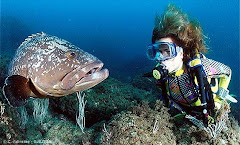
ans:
x=162 y=87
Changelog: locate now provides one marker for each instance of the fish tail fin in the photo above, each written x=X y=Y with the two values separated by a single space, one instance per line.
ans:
x=16 y=90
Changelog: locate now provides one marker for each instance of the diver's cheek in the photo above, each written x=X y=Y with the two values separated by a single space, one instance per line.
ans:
x=170 y=69
x=168 y=66
x=165 y=62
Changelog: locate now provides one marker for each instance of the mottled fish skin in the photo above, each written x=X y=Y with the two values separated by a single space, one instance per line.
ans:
x=47 y=59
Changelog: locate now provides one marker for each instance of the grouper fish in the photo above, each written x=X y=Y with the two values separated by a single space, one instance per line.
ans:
x=46 y=66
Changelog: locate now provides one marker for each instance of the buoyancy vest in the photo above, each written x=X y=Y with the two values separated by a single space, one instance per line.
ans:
x=181 y=89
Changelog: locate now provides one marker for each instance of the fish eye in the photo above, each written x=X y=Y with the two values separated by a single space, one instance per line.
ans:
x=71 y=54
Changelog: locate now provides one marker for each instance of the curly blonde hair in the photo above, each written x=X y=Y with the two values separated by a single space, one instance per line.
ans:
x=185 y=33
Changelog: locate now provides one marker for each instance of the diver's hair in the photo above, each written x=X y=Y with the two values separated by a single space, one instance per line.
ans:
x=185 y=33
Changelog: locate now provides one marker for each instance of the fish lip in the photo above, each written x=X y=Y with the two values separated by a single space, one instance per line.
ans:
x=76 y=75
x=90 y=81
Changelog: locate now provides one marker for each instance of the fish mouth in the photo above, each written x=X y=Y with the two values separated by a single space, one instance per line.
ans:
x=83 y=78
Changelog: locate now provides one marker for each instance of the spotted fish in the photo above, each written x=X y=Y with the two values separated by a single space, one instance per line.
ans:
x=46 y=66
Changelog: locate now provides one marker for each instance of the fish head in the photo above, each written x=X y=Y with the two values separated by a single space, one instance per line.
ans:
x=59 y=68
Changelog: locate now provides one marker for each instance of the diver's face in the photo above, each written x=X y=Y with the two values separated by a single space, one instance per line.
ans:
x=175 y=63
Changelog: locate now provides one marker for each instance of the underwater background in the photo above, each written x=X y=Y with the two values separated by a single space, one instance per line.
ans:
x=117 y=32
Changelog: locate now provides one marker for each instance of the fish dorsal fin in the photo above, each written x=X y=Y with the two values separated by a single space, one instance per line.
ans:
x=32 y=37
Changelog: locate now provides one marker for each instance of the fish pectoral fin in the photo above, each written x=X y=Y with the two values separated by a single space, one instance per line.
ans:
x=16 y=90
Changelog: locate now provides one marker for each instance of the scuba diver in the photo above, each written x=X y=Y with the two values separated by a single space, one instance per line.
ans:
x=190 y=82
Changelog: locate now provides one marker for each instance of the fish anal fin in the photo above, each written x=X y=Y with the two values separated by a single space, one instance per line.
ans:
x=16 y=90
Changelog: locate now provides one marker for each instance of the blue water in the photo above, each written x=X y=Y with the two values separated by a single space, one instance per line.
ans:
x=117 y=32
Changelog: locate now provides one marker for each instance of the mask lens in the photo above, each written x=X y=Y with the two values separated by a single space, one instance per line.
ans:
x=165 y=50
x=161 y=51
x=151 y=52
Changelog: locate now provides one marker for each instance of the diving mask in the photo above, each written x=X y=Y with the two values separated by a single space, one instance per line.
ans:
x=162 y=51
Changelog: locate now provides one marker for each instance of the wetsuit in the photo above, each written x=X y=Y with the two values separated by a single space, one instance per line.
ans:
x=181 y=87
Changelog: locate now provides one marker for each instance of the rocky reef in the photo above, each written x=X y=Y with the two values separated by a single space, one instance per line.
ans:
x=103 y=101
x=140 y=125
